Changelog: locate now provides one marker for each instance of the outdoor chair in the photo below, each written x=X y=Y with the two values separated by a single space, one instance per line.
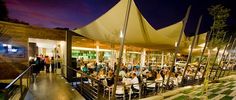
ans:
x=150 y=87
x=136 y=93
x=120 y=92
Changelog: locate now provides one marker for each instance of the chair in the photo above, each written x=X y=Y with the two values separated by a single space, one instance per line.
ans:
x=107 y=91
x=120 y=92
x=136 y=92
x=151 y=87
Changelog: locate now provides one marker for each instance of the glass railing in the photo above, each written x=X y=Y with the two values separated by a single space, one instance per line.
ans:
x=18 y=87
x=94 y=89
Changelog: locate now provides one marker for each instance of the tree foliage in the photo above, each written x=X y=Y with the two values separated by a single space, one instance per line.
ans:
x=220 y=15
x=3 y=11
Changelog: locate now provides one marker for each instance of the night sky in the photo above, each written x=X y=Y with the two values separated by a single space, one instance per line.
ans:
x=77 y=13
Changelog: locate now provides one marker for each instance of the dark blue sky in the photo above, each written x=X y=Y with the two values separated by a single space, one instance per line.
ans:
x=77 y=13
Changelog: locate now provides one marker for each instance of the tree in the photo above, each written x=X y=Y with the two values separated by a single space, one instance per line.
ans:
x=220 y=15
x=3 y=11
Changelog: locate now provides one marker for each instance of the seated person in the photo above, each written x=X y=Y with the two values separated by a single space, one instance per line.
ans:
x=94 y=74
x=101 y=75
x=85 y=69
x=150 y=80
x=122 y=73
x=145 y=70
x=134 y=81
x=110 y=78
x=150 y=76
x=159 y=77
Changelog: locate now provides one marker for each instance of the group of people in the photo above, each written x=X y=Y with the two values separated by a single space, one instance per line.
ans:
x=129 y=74
x=45 y=62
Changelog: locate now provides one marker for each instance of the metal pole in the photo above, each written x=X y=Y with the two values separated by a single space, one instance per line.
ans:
x=225 y=58
x=6 y=97
x=217 y=53
x=121 y=47
x=203 y=51
x=143 y=58
x=222 y=57
x=97 y=52
x=192 y=46
x=204 y=72
x=21 y=87
x=229 y=57
x=233 y=54
x=162 y=59
x=178 y=43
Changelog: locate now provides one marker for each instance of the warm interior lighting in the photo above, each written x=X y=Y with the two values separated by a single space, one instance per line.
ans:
x=121 y=34
x=215 y=49
x=202 y=45
x=133 y=52
x=178 y=54
x=189 y=47
x=90 y=49
x=175 y=44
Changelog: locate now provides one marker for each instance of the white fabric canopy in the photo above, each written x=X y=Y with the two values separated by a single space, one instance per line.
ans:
x=107 y=28
x=198 y=47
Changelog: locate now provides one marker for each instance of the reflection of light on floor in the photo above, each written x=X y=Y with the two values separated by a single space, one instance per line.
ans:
x=34 y=86
x=50 y=77
x=72 y=89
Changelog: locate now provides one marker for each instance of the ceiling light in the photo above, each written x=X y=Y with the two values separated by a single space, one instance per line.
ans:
x=121 y=34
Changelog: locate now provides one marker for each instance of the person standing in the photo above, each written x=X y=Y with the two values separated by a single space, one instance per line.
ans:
x=85 y=69
x=52 y=64
x=47 y=63
x=58 y=61
x=37 y=67
x=42 y=63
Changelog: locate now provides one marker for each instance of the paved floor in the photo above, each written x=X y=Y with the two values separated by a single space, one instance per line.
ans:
x=224 y=90
x=49 y=86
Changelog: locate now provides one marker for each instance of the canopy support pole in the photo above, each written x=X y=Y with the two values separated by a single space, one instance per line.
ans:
x=234 y=58
x=97 y=52
x=121 y=48
x=229 y=55
x=178 y=43
x=225 y=59
x=203 y=51
x=222 y=57
x=217 y=53
x=124 y=56
x=143 y=58
x=143 y=55
x=113 y=56
x=162 y=59
x=191 y=50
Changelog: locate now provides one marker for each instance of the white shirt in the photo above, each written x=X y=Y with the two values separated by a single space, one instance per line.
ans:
x=135 y=81
x=126 y=80
x=145 y=71
x=122 y=73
